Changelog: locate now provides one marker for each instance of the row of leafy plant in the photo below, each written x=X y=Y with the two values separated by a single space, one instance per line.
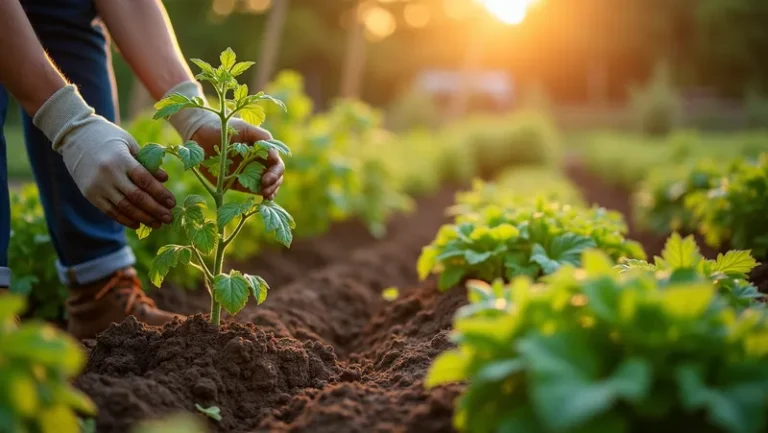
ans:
x=680 y=344
x=513 y=227
x=726 y=202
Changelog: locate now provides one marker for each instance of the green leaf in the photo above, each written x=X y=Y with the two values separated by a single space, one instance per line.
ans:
x=143 y=231
x=261 y=96
x=250 y=177
x=564 y=249
x=204 y=66
x=151 y=156
x=278 y=221
x=231 y=291
x=687 y=301
x=212 y=412
x=737 y=407
x=681 y=253
x=448 y=367
x=169 y=110
x=44 y=345
x=390 y=294
x=272 y=144
x=172 y=99
x=567 y=386
x=735 y=262
x=474 y=257
x=228 y=59
x=213 y=165
x=629 y=264
x=168 y=257
x=258 y=286
x=450 y=277
x=499 y=370
x=194 y=200
x=427 y=261
x=238 y=69
x=204 y=237
x=253 y=114
x=11 y=305
x=191 y=154
x=241 y=92
x=240 y=148
x=230 y=211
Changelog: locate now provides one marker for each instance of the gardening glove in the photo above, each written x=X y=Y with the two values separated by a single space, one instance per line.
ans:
x=100 y=157
x=204 y=127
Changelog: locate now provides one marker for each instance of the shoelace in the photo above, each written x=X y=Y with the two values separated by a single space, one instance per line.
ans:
x=129 y=285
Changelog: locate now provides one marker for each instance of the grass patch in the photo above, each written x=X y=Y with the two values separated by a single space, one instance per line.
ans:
x=18 y=163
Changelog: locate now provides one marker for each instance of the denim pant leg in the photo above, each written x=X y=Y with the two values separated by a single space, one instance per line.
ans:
x=90 y=245
x=5 y=203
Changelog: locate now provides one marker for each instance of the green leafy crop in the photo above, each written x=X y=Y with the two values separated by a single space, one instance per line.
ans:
x=681 y=259
x=205 y=230
x=735 y=209
x=532 y=239
x=32 y=257
x=36 y=364
x=594 y=349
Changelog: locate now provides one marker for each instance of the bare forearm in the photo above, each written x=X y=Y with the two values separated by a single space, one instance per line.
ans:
x=144 y=35
x=25 y=69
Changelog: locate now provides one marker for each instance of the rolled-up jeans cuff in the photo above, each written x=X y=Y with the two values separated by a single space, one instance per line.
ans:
x=5 y=277
x=96 y=269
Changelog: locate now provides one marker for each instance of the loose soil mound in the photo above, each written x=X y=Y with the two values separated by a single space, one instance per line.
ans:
x=325 y=353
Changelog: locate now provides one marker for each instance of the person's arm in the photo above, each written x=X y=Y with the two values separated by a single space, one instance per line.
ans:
x=96 y=152
x=25 y=69
x=145 y=38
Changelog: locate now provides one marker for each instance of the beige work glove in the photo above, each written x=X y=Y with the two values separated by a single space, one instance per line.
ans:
x=100 y=157
x=204 y=127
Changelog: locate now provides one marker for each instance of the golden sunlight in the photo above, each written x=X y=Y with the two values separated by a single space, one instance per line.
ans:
x=508 y=11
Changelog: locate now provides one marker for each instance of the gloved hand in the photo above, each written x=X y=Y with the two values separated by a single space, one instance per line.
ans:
x=100 y=157
x=204 y=127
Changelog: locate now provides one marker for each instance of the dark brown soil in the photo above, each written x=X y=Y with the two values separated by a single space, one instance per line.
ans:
x=325 y=353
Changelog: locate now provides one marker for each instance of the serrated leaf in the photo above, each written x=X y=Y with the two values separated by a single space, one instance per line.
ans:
x=168 y=257
x=212 y=412
x=734 y=262
x=204 y=66
x=563 y=249
x=169 y=110
x=213 y=165
x=253 y=114
x=191 y=154
x=151 y=156
x=228 y=59
x=194 y=200
x=143 y=231
x=228 y=212
x=261 y=96
x=241 y=149
x=241 y=67
x=272 y=144
x=204 y=237
x=278 y=221
x=258 y=286
x=172 y=99
x=681 y=253
x=250 y=177
x=241 y=91
x=231 y=291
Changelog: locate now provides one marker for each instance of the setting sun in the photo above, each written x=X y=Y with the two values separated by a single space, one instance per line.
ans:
x=508 y=11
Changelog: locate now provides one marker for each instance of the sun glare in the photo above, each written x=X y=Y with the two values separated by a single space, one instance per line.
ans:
x=508 y=11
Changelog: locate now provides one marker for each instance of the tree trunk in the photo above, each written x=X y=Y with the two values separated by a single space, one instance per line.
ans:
x=272 y=36
x=354 y=63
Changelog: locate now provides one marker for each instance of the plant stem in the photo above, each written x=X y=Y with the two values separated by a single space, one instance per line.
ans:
x=218 y=263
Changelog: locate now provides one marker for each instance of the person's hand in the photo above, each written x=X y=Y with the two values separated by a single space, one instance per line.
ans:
x=204 y=127
x=209 y=135
x=100 y=157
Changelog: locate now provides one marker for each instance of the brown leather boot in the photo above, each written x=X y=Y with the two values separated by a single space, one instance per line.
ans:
x=93 y=307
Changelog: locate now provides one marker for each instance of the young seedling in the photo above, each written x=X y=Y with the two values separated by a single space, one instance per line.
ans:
x=207 y=235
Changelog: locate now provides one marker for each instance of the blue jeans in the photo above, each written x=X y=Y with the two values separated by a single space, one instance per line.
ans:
x=90 y=246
